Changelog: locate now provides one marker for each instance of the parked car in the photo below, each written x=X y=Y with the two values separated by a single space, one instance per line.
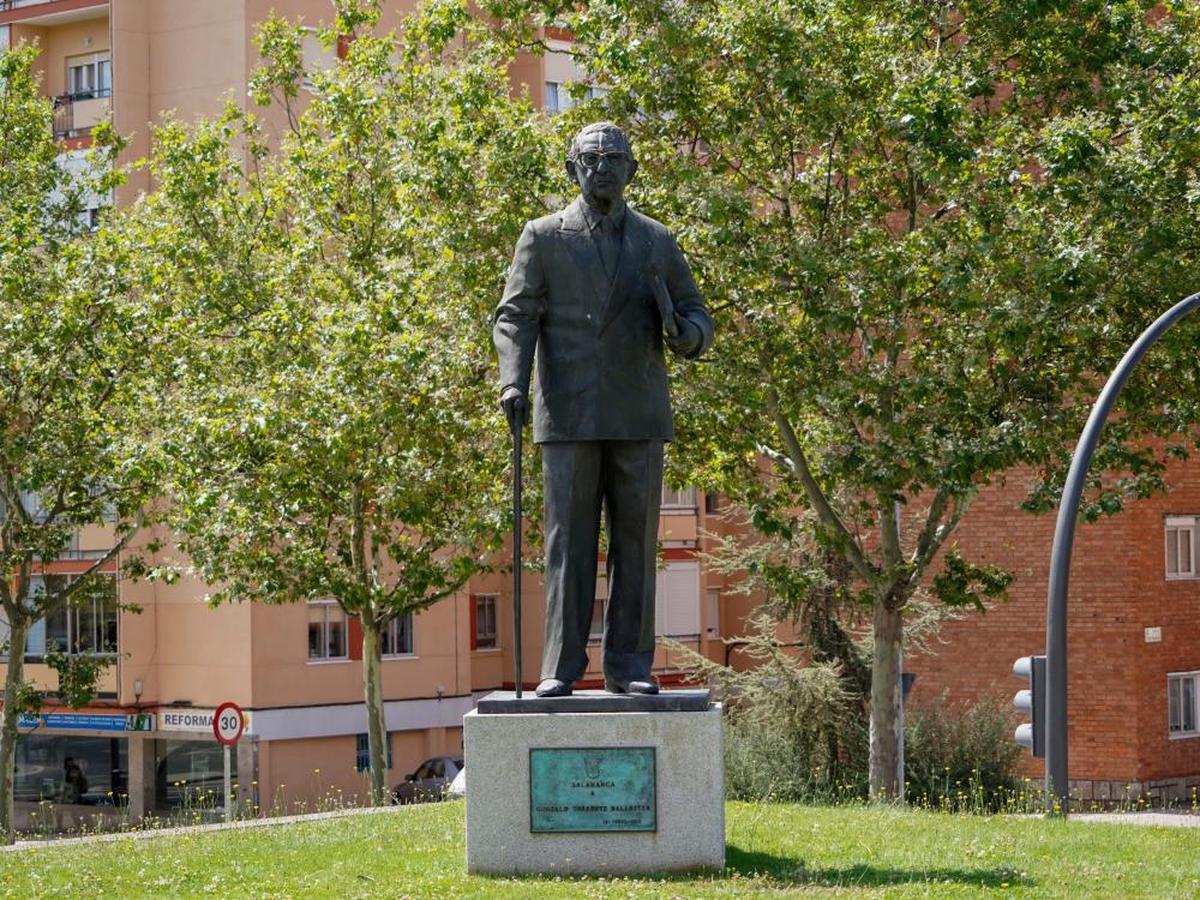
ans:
x=429 y=781
x=458 y=787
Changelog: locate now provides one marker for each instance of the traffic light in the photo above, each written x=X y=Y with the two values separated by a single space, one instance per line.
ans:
x=1032 y=734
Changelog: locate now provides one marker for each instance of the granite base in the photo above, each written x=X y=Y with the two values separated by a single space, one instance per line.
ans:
x=689 y=792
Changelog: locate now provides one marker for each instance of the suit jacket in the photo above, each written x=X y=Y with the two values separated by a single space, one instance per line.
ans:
x=601 y=373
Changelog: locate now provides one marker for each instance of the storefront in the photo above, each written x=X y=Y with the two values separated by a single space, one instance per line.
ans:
x=189 y=776
x=189 y=769
x=72 y=769
x=95 y=770
x=102 y=770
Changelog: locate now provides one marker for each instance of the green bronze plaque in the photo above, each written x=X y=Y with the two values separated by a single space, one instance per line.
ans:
x=592 y=789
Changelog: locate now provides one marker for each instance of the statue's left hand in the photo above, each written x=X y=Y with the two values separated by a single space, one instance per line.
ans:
x=666 y=309
x=687 y=337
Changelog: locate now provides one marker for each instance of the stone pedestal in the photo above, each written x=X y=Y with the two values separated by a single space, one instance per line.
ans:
x=620 y=784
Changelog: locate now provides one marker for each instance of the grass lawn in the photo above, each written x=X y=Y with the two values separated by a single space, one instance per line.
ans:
x=847 y=851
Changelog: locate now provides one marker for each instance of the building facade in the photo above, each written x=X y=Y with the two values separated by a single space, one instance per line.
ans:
x=145 y=745
x=1133 y=627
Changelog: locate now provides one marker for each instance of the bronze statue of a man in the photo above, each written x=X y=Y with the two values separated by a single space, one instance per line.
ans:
x=596 y=290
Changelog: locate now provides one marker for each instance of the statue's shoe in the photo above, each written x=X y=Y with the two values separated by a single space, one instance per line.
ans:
x=552 y=687
x=650 y=686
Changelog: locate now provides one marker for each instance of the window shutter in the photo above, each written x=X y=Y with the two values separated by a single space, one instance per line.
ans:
x=660 y=603
x=474 y=621
x=682 y=599
x=354 y=637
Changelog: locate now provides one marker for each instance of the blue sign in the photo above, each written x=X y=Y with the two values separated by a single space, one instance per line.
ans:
x=592 y=789
x=85 y=721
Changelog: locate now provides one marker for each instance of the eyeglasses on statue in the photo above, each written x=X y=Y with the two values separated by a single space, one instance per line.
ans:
x=590 y=159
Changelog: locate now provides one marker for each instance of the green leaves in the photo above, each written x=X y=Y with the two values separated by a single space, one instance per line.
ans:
x=282 y=71
x=928 y=229
x=78 y=442
x=960 y=583
x=78 y=675
x=333 y=419
x=76 y=448
x=927 y=232
x=331 y=413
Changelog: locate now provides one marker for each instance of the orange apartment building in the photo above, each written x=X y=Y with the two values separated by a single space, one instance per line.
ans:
x=295 y=669
x=1135 y=603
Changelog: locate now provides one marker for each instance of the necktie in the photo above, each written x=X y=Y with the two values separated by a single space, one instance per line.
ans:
x=609 y=246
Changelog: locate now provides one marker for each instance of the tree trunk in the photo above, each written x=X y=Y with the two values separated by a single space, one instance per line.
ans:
x=886 y=722
x=13 y=682
x=376 y=729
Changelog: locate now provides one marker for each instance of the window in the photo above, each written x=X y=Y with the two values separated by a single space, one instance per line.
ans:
x=362 y=751
x=188 y=773
x=677 y=599
x=1181 y=547
x=683 y=498
x=315 y=57
x=712 y=503
x=31 y=502
x=676 y=604
x=74 y=769
x=398 y=636
x=87 y=625
x=556 y=98
x=326 y=630
x=598 y=611
x=1181 y=704
x=485 y=622
x=38 y=508
x=431 y=768
x=89 y=76
x=714 y=612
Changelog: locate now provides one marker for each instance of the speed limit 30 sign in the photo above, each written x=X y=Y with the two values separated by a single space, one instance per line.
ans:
x=228 y=723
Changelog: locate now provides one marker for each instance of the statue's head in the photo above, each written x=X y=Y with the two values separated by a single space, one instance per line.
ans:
x=601 y=162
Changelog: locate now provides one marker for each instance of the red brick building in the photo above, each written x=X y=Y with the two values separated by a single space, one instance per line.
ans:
x=1133 y=631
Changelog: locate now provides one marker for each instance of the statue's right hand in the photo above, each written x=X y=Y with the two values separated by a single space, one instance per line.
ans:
x=513 y=402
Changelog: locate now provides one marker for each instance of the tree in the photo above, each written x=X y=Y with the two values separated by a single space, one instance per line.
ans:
x=927 y=230
x=337 y=433
x=75 y=449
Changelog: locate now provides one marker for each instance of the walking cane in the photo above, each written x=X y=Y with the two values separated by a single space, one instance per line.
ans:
x=516 y=423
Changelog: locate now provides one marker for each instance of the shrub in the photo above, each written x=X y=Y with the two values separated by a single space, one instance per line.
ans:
x=961 y=756
x=958 y=757
x=766 y=763
x=795 y=728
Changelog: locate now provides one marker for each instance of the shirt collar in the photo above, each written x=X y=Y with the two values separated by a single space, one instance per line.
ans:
x=594 y=217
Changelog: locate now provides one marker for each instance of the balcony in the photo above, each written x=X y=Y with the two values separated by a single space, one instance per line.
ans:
x=75 y=115
x=50 y=12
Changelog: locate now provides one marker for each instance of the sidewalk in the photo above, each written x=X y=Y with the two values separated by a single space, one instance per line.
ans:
x=199 y=829
x=1157 y=819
